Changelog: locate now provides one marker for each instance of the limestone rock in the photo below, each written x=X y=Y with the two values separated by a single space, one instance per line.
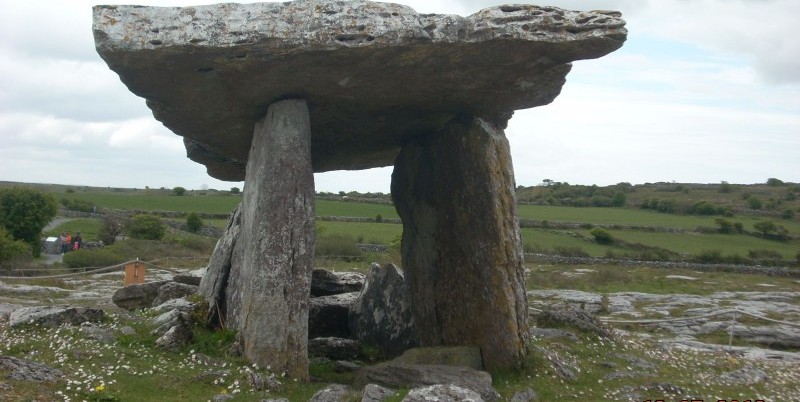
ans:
x=100 y=334
x=138 y=296
x=28 y=370
x=442 y=392
x=325 y=283
x=187 y=279
x=526 y=395
x=333 y=393
x=576 y=318
x=376 y=393
x=53 y=316
x=381 y=316
x=214 y=285
x=173 y=290
x=180 y=304
x=744 y=376
x=178 y=335
x=398 y=375
x=463 y=263
x=327 y=315
x=374 y=74
x=334 y=348
x=344 y=366
x=6 y=309
x=270 y=277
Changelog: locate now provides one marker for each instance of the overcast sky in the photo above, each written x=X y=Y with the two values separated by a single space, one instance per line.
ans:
x=703 y=91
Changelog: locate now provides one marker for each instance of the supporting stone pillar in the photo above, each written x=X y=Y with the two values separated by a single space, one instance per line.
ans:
x=273 y=257
x=461 y=248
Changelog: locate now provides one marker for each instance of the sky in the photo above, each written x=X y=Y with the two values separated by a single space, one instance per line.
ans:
x=703 y=91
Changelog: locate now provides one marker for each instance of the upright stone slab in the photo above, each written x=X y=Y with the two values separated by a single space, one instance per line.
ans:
x=461 y=250
x=273 y=256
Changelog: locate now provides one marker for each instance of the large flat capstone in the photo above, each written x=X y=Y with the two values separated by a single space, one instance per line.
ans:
x=374 y=75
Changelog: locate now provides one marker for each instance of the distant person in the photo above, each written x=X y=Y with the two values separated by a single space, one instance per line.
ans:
x=62 y=241
x=76 y=241
x=67 y=243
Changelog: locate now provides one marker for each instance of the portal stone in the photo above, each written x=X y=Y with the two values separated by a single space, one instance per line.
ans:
x=461 y=248
x=273 y=256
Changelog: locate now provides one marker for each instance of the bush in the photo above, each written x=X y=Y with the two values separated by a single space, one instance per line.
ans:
x=725 y=187
x=754 y=203
x=179 y=191
x=10 y=248
x=709 y=257
x=774 y=182
x=235 y=190
x=725 y=226
x=193 y=222
x=100 y=257
x=337 y=246
x=601 y=236
x=378 y=218
x=787 y=214
x=146 y=227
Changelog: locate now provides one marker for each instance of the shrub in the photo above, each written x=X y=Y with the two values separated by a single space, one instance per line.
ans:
x=708 y=257
x=378 y=218
x=235 y=190
x=765 y=227
x=705 y=208
x=193 y=222
x=147 y=227
x=179 y=191
x=725 y=226
x=787 y=214
x=100 y=257
x=725 y=187
x=738 y=227
x=337 y=246
x=10 y=248
x=601 y=236
x=619 y=199
x=754 y=203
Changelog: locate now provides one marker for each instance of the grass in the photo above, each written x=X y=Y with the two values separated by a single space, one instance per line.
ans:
x=363 y=232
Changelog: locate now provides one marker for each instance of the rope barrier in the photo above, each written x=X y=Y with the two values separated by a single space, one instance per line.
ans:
x=101 y=270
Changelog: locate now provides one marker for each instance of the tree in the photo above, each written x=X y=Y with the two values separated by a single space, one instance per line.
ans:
x=179 y=191
x=193 y=222
x=725 y=187
x=774 y=182
x=235 y=190
x=24 y=213
x=765 y=227
x=112 y=227
x=619 y=199
x=147 y=227
x=725 y=226
x=754 y=203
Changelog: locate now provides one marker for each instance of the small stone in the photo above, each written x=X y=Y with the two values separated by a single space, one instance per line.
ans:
x=222 y=397
x=344 y=366
x=524 y=396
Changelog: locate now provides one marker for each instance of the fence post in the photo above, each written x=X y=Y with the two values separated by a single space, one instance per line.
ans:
x=733 y=324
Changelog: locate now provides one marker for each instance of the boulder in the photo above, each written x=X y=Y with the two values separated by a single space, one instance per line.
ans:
x=325 y=283
x=327 y=315
x=399 y=375
x=526 y=395
x=28 y=370
x=375 y=74
x=270 y=277
x=214 y=285
x=53 y=316
x=442 y=392
x=333 y=393
x=140 y=296
x=381 y=315
x=100 y=334
x=173 y=290
x=744 y=376
x=461 y=246
x=334 y=348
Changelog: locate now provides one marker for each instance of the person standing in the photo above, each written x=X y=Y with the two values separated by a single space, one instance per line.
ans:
x=76 y=241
